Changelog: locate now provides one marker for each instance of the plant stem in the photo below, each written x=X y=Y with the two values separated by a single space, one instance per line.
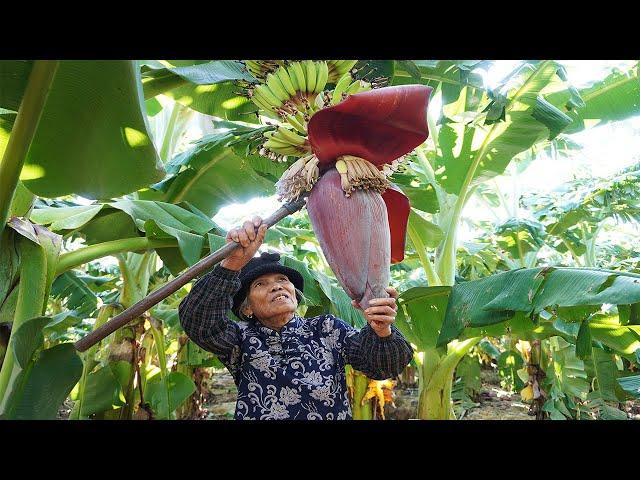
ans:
x=24 y=128
x=31 y=293
x=437 y=378
x=158 y=338
x=432 y=276
x=84 y=255
x=89 y=362
x=167 y=141
x=447 y=260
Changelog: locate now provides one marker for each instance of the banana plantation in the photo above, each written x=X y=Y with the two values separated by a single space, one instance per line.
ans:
x=520 y=299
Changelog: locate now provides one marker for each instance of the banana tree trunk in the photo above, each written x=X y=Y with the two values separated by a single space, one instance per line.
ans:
x=436 y=379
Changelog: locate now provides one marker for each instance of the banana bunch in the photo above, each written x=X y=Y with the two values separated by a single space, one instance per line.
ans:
x=291 y=88
x=285 y=141
x=337 y=68
x=346 y=86
x=299 y=122
x=260 y=68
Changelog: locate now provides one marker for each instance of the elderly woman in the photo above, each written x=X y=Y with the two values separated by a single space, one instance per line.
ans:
x=285 y=366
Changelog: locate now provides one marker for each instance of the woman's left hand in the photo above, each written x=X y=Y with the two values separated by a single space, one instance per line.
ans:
x=381 y=312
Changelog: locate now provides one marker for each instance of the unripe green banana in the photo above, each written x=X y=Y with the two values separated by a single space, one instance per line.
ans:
x=282 y=148
x=322 y=75
x=294 y=78
x=341 y=87
x=269 y=98
x=258 y=101
x=311 y=75
x=252 y=66
x=300 y=117
x=302 y=79
x=273 y=142
x=276 y=87
x=337 y=68
x=291 y=137
x=284 y=78
x=346 y=65
x=355 y=87
x=293 y=121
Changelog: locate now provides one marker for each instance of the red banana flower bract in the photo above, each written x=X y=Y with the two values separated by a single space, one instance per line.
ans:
x=379 y=125
x=363 y=234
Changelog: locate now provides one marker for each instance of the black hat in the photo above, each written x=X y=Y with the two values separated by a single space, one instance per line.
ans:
x=265 y=263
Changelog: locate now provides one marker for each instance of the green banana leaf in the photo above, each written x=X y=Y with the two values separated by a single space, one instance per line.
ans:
x=60 y=323
x=108 y=225
x=495 y=299
x=422 y=197
x=94 y=120
x=14 y=75
x=520 y=236
x=429 y=233
x=451 y=75
x=212 y=175
x=27 y=339
x=22 y=201
x=425 y=309
x=340 y=302
x=9 y=262
x=76 y=293
x=49 y=245
x=567 y=375
x=126 y=218
x=607 y=376
x=65 y=218
x=208 y=88
x=177 y=387
x=102 y=392
x=614 y=98
x=470 y=154
x=54 y=373
x=631 y=385
x=161 y=220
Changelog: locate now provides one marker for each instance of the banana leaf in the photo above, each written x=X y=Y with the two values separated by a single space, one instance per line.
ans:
x=94 y=119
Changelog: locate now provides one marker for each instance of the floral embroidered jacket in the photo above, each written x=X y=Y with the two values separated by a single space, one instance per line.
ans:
x=297 y=373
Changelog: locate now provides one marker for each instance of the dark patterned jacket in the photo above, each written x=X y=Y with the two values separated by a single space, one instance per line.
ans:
x=296 y=373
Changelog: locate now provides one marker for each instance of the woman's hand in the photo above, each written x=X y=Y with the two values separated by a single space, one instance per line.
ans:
x=250 y=240
x=381 y=312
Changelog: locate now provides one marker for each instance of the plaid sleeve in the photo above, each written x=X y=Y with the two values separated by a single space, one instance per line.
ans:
x=377 y=357
x=203 y=315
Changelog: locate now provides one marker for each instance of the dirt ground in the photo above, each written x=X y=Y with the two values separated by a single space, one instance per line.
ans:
x=494 y=402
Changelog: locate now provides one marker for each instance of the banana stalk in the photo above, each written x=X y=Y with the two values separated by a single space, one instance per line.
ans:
x=124 y=346
x=24 y=129
x=437 y=378
x=89 y=359
x=31 y=297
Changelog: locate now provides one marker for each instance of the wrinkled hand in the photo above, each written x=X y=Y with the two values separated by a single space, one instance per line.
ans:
x=249 y=239
x=381 y=312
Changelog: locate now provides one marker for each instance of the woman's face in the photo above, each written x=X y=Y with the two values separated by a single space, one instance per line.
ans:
x=271 y=295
